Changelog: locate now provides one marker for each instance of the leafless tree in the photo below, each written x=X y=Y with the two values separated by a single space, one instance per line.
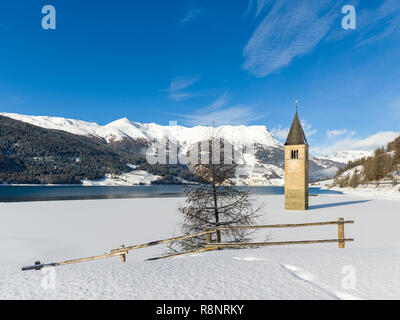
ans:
x=215 y=201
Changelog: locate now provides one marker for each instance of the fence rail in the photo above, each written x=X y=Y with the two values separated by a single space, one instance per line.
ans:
x=290 y=225
x=265 y=244
x=122 y=250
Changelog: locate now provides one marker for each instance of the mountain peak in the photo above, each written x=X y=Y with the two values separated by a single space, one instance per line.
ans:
x=119 y=122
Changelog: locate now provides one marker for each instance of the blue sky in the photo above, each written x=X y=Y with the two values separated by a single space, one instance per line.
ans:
x=234 y=62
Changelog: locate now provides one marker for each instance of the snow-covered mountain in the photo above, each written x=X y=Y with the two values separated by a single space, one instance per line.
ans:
x=264 y=165
x=124 y=128
x=346 y=156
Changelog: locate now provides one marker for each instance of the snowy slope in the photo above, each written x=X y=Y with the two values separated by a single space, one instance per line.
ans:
x=70 y=125
x=122 y=128
x=42 y=230
x=350 y=155
x=383 y=189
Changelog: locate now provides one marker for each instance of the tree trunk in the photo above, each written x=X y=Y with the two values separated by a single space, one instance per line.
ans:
x=216 y=213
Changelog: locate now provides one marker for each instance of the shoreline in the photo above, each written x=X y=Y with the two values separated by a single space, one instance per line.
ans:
x=377 y=192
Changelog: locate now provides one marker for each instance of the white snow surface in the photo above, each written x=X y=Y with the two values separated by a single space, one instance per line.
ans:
x=383 y=191
x=61 y=230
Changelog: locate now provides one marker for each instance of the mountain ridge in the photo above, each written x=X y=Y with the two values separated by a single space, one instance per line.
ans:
x=121 y=128
x=262 y=167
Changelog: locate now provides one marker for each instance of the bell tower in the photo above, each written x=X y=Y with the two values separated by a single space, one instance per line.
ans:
x=296 y=167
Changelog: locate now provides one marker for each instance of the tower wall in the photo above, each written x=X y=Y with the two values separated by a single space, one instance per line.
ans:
x=296 y=178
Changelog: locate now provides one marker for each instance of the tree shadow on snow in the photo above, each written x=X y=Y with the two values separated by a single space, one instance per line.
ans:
x=336 y=204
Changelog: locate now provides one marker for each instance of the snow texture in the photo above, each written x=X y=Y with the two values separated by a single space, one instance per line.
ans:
x=60 y=230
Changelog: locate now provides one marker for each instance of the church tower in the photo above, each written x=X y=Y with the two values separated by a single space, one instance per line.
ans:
x=296 y=167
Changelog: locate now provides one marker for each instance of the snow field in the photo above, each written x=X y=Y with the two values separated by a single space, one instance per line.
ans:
x=368 y=268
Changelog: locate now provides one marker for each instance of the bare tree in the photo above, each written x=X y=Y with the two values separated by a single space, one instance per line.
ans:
x=215 y=201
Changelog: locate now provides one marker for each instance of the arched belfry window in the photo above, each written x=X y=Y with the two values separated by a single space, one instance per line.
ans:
x=295 y=154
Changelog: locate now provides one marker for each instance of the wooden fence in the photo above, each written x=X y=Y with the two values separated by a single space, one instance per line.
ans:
x=210 y=245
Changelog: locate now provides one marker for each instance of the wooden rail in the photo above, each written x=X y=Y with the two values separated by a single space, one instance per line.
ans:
x=291 y=225
x=267 y=244
x=216 y=245
x=155 y=243
x=182 y=253
x=122 y=250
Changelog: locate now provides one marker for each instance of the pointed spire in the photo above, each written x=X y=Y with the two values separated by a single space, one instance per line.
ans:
x=296 y=134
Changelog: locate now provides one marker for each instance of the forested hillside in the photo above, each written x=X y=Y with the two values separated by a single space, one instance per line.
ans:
x=383 y=164
x=31 y=154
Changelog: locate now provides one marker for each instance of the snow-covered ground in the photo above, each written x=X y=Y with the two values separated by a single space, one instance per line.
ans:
x=126 y=179
x=367 y=268
x=384 y=191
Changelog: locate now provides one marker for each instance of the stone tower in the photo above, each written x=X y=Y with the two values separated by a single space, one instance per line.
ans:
x=296 y=168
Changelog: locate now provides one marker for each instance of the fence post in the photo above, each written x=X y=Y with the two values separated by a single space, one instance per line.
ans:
x=341 y=232
x=122 y=256
x=208 y=237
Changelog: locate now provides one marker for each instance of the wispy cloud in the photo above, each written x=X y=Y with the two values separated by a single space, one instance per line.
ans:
x=180 y=96
x=178 y=85
x=381 y=23
x=249 y=8
x=192 y=14
x=281 y=133
x=258 y=6
x=308 y=129
x=222 y=112
x=290 y=29
x=262 y=5
x=332 y=134
x=293 y=28
x=373 y=24
x=350 y=143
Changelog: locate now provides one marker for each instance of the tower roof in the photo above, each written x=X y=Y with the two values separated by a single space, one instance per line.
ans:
x=296 y=134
